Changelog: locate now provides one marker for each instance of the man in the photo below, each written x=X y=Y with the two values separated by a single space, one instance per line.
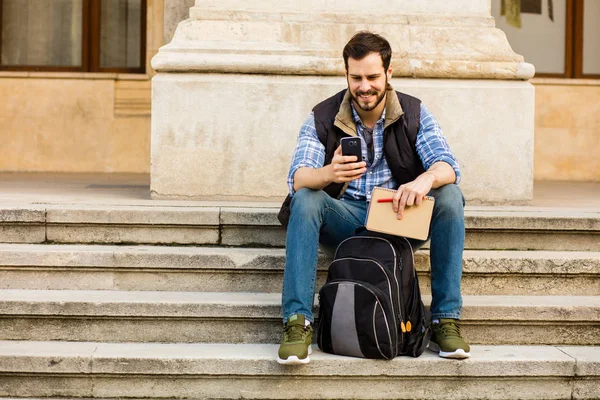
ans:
x=404 y=149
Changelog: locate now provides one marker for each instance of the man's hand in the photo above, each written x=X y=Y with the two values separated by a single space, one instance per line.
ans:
x=412 y=193
x=345 y=168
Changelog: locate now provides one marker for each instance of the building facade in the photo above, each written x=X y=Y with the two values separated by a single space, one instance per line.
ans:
x=75 y=79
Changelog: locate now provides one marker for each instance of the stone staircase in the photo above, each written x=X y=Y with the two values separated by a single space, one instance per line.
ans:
x=183 y=302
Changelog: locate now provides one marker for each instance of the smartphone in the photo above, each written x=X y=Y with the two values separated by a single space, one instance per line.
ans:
x=352 y=146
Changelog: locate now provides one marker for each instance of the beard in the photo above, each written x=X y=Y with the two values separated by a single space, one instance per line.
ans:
x=368 y=106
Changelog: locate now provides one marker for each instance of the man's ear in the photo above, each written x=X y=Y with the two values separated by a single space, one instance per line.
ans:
x=389 y=73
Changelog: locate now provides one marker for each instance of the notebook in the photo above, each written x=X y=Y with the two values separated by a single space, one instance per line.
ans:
x=382 y=218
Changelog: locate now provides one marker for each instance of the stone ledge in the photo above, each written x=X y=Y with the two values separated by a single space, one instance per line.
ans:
x=257 y=360
x=269 y=259
x=76 y=75
x=588 y=360
x=171 y=216
x=19 y=214
x=166 y=305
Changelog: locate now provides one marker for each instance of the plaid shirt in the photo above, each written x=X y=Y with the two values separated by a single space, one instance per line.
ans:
x=431 y=147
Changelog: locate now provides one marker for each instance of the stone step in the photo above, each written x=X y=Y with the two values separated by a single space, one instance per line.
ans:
x=249 y=371
x=215 y=269
x=519 y=228
x=115 y=316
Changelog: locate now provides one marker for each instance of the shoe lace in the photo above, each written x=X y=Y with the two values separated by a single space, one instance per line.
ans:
x=450 y=329
x=295 y=332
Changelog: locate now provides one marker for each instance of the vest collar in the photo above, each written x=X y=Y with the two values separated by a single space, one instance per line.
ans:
x=344 y=120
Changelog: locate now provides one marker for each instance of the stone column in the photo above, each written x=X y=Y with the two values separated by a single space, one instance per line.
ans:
x=240 y=76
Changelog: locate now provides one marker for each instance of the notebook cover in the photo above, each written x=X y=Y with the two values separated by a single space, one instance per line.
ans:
x=414 y=224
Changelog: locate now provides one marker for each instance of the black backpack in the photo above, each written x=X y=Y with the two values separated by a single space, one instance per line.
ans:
x=371 y=305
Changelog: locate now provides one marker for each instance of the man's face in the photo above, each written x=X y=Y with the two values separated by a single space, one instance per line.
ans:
x=367 y=81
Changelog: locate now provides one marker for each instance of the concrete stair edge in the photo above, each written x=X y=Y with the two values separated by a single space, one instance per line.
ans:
x=528 y=218
x=107 y=358
x=105 y=370
x=168 y=305
x=185 y=257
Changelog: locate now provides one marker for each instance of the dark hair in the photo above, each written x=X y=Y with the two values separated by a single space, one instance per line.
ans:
x=363 y=43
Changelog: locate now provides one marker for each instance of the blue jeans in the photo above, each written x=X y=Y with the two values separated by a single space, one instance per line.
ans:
x=318 y=218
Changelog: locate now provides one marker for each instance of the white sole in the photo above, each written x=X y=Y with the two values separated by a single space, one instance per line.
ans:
x=457 y=354
x=294 y=360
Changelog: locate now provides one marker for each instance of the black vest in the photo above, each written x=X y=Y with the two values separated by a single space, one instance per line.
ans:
x=399 y=143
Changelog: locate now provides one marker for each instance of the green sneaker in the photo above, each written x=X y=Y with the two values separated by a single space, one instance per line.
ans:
x=446 y=339
x=295 y=346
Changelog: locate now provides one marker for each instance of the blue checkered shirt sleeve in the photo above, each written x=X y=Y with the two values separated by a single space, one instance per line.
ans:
x=431 y=143
x=309 y=151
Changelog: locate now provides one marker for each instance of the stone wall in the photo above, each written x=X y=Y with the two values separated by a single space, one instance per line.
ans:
x=79 y=122
x=567 y=130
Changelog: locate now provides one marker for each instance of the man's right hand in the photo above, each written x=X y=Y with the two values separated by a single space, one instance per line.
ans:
x=345 y=168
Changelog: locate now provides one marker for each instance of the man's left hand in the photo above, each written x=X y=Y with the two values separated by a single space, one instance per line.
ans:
x=412 y=193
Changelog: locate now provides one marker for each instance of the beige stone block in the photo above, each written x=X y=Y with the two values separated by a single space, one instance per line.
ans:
x=142 y=330
x=14 y=74
x=258 y=360
x=459 y=7
x=179 y=136
x=59 y=98
x=248 y=236
x=128 y=149
x=130 y=234
x=22 y=214
x=68 y=125
x=440 y=40
x=80 y=147
x=553 y=107
x=185 y=142
x=124 y=215
x=61 y=358
x=588 y=360
x=355 y=388
x=28 y=143
x=567 y=123
x=22 y=233
x=511 y=240
x=31 y=385
x=201 y=138
x=584 y=389
x=567 y=154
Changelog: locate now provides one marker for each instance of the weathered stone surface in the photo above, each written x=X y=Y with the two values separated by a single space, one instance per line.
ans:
x=233 y=371
x=438 y=42
x=459 y=7
x=56 y=358
x=134 y=215
x=38 y=386
x=177 y=172
x=249 y=216
x=28 y=214
x=532 y=240
x=217 y=269
x=256 y=317
x=523 y=219
x=380 y=387
x=22 y=233
x=91 y=233
x=253 y=359
x=588 y=359
x=252 y=236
